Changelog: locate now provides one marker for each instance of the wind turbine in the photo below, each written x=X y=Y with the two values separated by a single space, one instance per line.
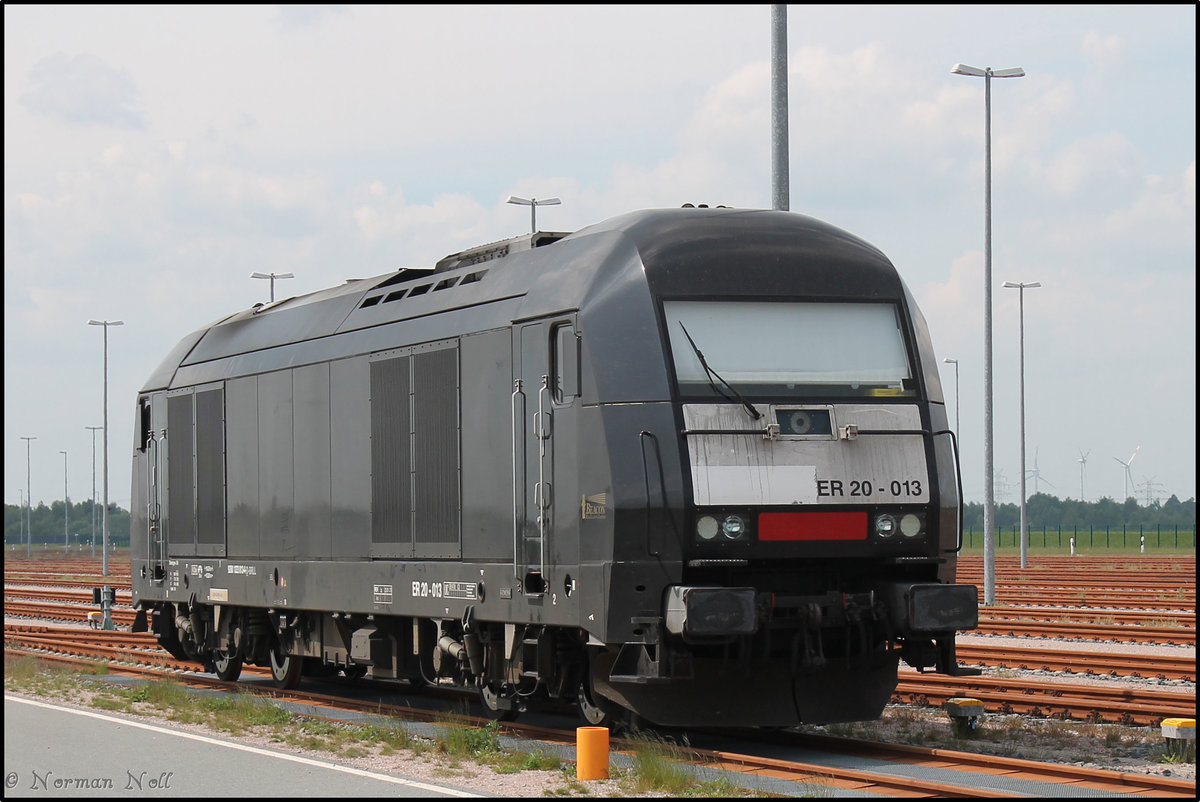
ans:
x=1037 y=474
x=1128 y=473
x=1082 y=464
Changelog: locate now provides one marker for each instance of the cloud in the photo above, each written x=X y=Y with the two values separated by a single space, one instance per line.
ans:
x=1091 y=160
x=1165 y=207
x=83 y=90
x=295 y=17
x=1104 y=53
x=1140 y=223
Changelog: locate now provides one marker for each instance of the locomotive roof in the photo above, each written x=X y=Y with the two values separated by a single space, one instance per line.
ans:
x=546 y=272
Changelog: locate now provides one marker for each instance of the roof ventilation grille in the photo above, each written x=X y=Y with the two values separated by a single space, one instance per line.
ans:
x=498 y=250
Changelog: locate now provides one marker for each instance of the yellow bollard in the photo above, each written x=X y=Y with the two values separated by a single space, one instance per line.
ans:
x=591 y=753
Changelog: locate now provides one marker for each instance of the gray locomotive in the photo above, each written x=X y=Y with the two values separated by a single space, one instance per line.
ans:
x=689 y=465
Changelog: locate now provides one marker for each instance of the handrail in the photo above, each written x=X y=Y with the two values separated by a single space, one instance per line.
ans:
x=542 y=429
x=958 y=484
x=642 y=438
x=151 y=493
x=767 y=431
x=518 y=473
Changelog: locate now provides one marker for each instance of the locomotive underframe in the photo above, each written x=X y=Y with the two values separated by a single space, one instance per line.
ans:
x=754 y=649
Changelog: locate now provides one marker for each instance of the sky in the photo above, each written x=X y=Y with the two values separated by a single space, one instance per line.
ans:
x=156 y=156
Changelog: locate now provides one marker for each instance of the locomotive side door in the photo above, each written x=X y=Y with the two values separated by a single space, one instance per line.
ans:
x=540 y=349
x=152 y=427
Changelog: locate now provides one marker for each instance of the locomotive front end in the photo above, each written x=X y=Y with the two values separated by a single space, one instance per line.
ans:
x=822 y=519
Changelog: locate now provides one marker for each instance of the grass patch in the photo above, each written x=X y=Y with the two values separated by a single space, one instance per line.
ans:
x=660 y=766
x=236 y=713
x=111 y=704
x=28 y=674
x=458 y=738
x=22 y=670
x=162 y=694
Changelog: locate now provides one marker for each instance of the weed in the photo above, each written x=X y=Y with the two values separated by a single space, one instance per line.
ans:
x=162 y=694
x=526 y=761
x=389 y=738
x=461 y=739
x=109 y=703
x=657 y=767
x=663 y=767
x=1178 y=751
x=307 y=741
x=22 y=670
x=245 y=709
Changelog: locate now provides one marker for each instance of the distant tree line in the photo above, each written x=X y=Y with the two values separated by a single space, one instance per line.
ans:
x=47 y=523
x=1043 y=511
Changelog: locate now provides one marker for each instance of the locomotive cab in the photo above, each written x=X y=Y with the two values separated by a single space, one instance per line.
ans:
x=819 y=522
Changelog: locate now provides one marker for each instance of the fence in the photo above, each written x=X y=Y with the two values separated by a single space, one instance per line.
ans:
x=1089 y=537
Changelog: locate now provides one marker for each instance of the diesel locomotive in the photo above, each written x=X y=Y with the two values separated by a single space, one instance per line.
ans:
x=687 y=465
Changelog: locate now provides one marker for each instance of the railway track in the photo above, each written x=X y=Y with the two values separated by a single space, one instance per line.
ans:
x=1100 y=599
x=122 y=616
x=1089 y=663
x=1085 y=615
x=819 y=778
x=1118 y=633
x=1146 y=706
x=1097 y=704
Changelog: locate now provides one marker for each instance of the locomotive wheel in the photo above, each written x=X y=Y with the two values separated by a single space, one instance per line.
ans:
x=285 y=669
x=228 y=666
x=596 y=712
x=490 y=694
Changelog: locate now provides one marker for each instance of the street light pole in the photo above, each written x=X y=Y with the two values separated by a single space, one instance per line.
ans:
x=93 y=430
x=28 y=503
x=272 y=277
x=104 y=513
x=1021 y=303
x=954 y=362
x=780 y=180
x=66 y=507
x=533 y=203
x=989 y=479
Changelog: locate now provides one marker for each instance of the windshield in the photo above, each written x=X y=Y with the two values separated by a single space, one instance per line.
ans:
x=784 y=348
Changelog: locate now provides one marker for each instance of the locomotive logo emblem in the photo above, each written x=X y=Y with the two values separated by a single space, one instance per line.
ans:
x=595 y=506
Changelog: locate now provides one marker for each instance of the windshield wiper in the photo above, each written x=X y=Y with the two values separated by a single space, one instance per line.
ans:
x=711 y=374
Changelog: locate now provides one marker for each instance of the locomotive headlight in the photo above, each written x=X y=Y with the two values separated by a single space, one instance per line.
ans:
x=910 y=524
x=804 y=422
x=707 y=527
x=800 y=422
x=885 y=525
x=733 y=527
